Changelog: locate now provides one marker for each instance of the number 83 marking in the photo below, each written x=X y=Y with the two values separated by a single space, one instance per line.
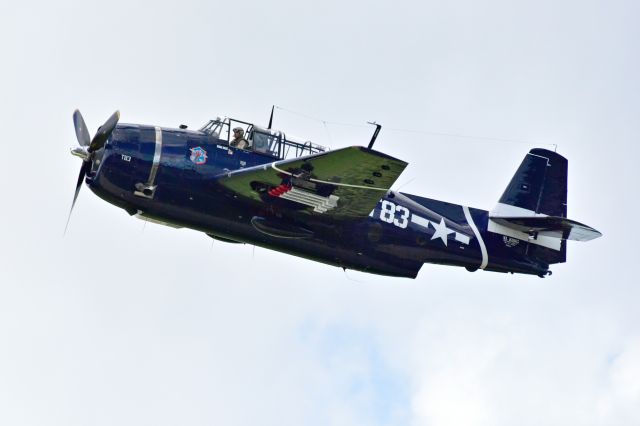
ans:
x=392 y=213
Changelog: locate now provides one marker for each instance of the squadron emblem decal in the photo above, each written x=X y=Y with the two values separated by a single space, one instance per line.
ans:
x=198 y=155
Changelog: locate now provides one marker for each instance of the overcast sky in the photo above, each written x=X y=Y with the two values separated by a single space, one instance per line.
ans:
x=125 y=323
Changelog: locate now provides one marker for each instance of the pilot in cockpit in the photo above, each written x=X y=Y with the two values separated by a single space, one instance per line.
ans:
x=238 y=139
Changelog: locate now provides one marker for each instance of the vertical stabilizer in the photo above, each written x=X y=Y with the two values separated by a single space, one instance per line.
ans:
x=539 y=187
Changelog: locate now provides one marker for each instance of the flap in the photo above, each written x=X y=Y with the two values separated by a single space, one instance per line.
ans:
x=346 y=182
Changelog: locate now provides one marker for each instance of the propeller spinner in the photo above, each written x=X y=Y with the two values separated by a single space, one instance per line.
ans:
x=88 y=147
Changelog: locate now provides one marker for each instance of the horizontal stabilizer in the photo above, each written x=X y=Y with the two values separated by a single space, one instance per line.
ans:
x=548 y=226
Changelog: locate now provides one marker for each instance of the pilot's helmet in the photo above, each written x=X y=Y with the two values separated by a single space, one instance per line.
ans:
x=238 y=131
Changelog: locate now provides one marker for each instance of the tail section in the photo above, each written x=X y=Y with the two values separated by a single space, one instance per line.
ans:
x=533 y=208
x=539 y=187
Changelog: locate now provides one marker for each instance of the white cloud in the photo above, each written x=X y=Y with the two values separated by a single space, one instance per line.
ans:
x=620 y=397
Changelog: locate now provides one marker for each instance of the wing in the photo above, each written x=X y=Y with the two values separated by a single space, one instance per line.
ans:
x=347 y=182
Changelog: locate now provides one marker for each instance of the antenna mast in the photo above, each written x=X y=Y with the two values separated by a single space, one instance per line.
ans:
x=271 y=118
x=375 y=133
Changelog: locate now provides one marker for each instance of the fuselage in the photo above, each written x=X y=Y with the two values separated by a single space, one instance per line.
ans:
x=170 y=175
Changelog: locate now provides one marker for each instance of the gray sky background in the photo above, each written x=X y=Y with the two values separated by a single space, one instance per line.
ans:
x=126 y=323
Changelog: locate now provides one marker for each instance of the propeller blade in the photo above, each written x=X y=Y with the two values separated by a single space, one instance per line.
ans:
x=86 y=166
x=82 y=134
x=104 y=132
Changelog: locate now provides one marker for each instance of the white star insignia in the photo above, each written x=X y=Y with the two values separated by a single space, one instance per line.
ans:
x=442 y=231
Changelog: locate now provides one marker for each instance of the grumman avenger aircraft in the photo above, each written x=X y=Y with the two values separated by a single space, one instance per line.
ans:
x=334 y=207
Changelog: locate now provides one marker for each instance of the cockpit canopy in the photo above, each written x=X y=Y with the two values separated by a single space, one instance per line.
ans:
x=269 y=142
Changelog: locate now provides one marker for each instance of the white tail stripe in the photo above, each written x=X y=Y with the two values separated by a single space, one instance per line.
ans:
x=474 y=228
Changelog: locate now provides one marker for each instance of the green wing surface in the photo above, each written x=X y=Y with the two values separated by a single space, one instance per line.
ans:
x=347 y=182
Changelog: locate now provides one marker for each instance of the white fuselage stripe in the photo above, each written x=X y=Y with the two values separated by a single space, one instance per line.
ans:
x=474 y=228
x=418 y=220
x=464 y=239
x=156 y=157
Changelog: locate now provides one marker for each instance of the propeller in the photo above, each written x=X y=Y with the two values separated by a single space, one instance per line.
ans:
x=103 y=133
x=88 y=147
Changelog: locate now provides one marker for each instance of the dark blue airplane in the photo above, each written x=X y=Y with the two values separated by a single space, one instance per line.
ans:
x=334 y=207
